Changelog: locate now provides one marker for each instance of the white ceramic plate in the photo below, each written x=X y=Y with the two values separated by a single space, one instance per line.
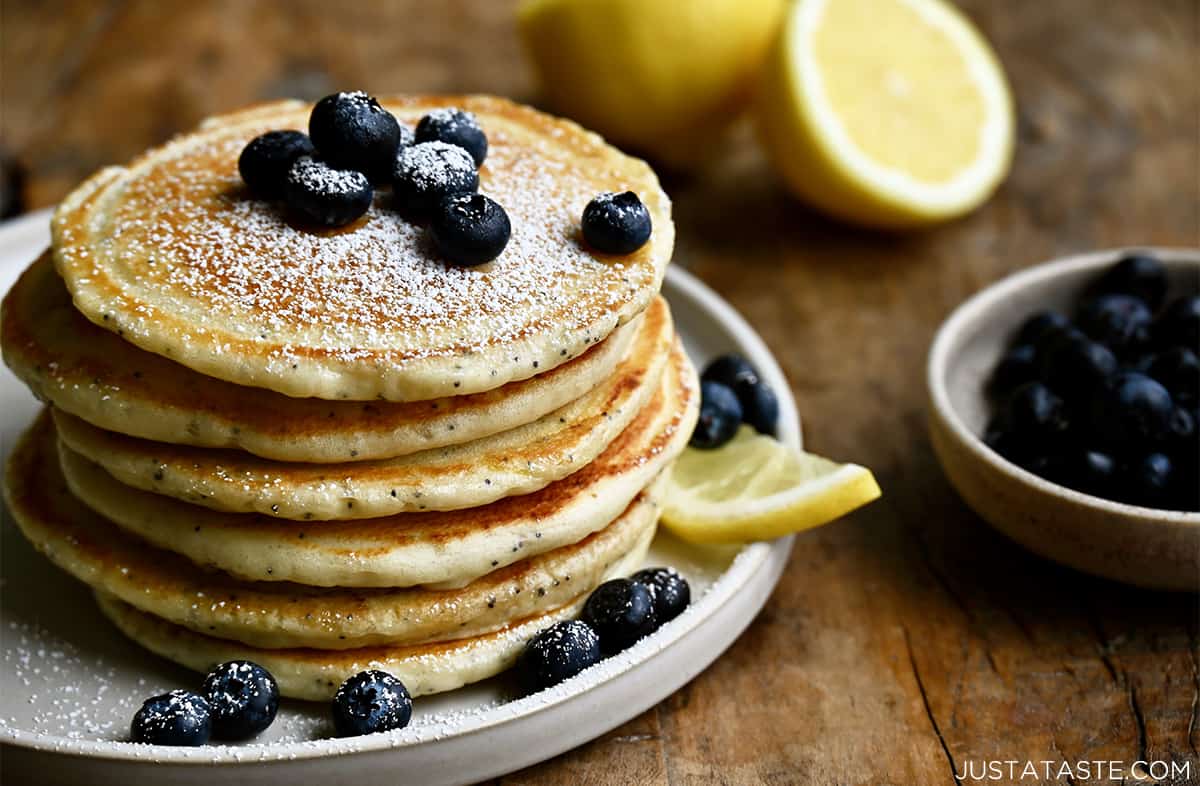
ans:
x=70 y=683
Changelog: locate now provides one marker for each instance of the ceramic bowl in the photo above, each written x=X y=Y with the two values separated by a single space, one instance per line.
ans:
x=1142 y=546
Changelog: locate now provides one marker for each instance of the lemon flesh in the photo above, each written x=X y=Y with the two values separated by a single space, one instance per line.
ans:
x=659 y=76
x=755 y=488
x=889 y=113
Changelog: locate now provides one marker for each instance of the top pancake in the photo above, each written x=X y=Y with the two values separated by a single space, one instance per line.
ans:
x=173 y=254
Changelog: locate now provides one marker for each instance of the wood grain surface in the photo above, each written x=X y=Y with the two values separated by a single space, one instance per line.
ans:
x=909 y=638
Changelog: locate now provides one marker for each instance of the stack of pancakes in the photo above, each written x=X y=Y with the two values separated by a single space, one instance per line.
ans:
x=327 y=451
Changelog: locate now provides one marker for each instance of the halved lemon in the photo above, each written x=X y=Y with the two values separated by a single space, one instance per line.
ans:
x=756 y=488
x=888 y=113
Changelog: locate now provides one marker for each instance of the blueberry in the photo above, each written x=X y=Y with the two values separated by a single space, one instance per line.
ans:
x=621 y=612
x=1050 y=340
x=728 y=370
x=469 y=229
x=670 y=591
x=1121 y=322
x=1032 y=422
x=371 y=701
x=176 y=718
x=1016 y=367
x=558 y=653
x=1038 y=325
x=352 y=131
x=1181 y=429
x=265 y=161
x=616 y=223
x=1090 y=471
x=1132 y=413
x=760 y=407
x=1149 y=481
x=243 y=697
x=1074 y=366
x=720 y=416
x=1178 y=369
x=426 y=173
x=454 y=127
x=322 y=195
x=1140 y=275
x=407 y=139
x=1179 y=325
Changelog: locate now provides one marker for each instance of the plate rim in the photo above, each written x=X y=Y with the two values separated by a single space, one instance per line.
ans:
x=31 y=231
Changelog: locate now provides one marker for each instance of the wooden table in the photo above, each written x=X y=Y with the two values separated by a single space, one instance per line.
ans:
x=908 y=639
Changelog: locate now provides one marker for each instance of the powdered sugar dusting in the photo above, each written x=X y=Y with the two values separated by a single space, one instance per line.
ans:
x=430 y=164
x=187 y=231
x=322 y=178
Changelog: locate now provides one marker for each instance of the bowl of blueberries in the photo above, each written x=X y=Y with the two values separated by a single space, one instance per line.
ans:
x=1064 y=406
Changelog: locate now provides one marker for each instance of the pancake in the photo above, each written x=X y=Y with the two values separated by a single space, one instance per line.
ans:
x=444 y=548
x=173 y=254
x=315 y=675
x=281 y=614
x=518 y=461
x=108 y=382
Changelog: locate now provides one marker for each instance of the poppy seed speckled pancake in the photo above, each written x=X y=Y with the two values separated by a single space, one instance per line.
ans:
x=407 y=549
x=101 y=378
x=282 y=614
x=517 y=461
x=174 y=254
x=312 y=674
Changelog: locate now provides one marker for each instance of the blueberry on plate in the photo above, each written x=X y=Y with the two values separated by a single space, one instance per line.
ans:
x=760 y=407
x=616 y=223
x=729 y=369
x=243 y=698
x=1037 y=325
x=1120 y=322
x=180 y=717
x=1178 y=370
x=1149 y=481
x=322 y=195
x=1074 y=366
x=621 y=612
x=557 y=653
x=371 y=701
x=670 y=591
x=1179 y=324
x=265 y=161
x=1032 y=422
x=720 y=416
x=1016 y=367
x=454 y=127
x=469 y=229
x=1137 y=274
x=427 y=172
x=352 y=131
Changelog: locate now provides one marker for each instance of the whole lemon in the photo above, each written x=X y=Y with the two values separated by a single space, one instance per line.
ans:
x=665 y=77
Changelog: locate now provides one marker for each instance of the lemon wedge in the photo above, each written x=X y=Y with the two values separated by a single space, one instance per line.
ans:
x=662 y=77
x=888 y=113
x=756 y=488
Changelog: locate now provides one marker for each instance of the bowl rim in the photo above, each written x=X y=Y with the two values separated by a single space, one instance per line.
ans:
x=975 y=307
